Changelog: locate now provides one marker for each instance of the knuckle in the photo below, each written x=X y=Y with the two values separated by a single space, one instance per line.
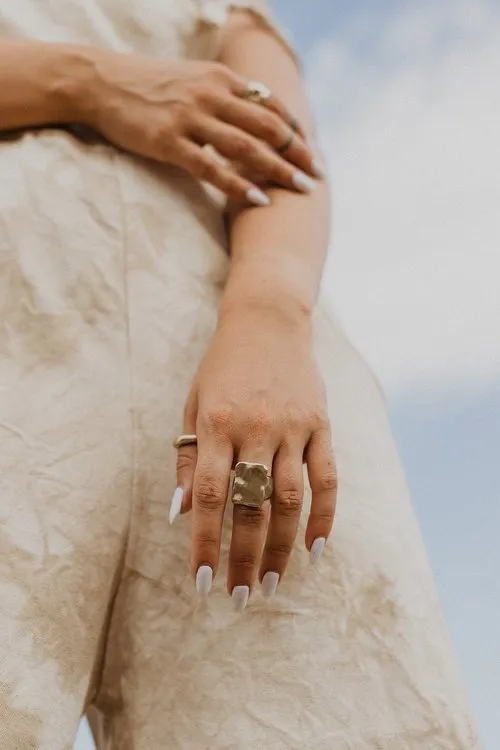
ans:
x=245 y=560
x=279 y=550
x=252 y=517
x=204 y=94
x=209 y=494
x=246 y=150
x=325 y=518
x=328 y=481
x=320 y=422
x=206 y=541
x=218 y=421
x=184 y=460
x=260 y=423
x=279 y=171
x=207 y=170
x=160 y=139
x=295 y=423
x=288 y=501
x=179 y=111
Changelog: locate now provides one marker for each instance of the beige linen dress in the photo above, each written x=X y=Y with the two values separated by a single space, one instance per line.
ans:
x=110 y=275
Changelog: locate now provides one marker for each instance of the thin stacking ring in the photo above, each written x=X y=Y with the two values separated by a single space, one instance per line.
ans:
x=182 y=440
x=287 y=143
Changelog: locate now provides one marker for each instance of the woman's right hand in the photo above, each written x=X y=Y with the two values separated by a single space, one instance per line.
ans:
x=167 y=110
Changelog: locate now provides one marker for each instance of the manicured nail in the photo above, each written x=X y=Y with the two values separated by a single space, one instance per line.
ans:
x=254 y=195
x=316 y=550
x=240 y=597
x=270 y=584
x=318 y=168
x=204 y=578
x=175 y=505
x=303 y=183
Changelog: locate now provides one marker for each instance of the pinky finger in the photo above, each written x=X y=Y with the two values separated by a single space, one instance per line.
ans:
x=323 y=480
x=199 y=163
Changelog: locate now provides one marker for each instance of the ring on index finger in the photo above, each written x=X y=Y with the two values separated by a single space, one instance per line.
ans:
x=252 y=484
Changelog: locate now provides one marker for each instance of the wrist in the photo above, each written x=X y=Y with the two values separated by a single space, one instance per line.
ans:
x=273 y=298
x=73 y=86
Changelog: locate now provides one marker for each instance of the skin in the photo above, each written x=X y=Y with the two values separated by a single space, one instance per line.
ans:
x=257 y=395
x=161 y=110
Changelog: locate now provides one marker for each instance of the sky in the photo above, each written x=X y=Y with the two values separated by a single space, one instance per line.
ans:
x=408 y=108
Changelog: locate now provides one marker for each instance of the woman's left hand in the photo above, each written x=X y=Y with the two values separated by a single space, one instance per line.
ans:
x=257 y=397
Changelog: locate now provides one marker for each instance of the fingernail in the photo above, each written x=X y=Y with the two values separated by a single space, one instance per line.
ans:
x=175 y=505
x=318 y=168
x=240 y=597
x=270 y=584
x=316 y=550
x=204 y=578
x=303 y=183
x=256 y=196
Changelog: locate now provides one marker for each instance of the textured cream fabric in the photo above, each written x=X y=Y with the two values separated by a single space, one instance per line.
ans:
x=110 y=276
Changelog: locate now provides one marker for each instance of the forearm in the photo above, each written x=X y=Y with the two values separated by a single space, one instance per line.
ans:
x=41 y=83
x=278 y=253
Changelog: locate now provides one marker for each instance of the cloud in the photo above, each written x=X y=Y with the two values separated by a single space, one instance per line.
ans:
x=409 y=109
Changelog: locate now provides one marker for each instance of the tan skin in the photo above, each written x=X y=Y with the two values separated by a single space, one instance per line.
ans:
x=257 y=395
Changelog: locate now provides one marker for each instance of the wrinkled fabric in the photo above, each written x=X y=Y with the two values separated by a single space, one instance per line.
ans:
x=111 y=271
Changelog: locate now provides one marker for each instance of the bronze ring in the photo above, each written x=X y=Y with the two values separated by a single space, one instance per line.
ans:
x=287 y=143
x=251 y=485
x=182 y=440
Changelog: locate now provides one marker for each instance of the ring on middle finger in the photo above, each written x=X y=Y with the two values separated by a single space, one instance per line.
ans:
x=252 y=484
x=256 y=92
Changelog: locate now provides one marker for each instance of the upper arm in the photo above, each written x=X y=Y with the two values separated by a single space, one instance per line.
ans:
x=254 y=46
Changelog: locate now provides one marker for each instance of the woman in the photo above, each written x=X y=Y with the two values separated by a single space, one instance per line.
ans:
x=120 y=306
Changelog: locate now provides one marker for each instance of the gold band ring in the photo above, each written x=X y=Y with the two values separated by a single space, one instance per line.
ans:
x=251 y=485
x=182 y=440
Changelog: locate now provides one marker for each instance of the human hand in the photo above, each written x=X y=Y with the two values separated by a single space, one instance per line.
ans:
x=257 y=397
x=167 y=110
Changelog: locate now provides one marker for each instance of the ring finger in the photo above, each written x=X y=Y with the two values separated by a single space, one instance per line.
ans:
x=248 y=535
x=240 y=147
x=256 y=120
x=286 y=508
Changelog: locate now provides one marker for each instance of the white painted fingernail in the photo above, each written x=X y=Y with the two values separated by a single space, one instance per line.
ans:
x=204 y=578
x=316 y=550
x=303 y=183
x=240 y=597
x=256 y=196
x=175 y=505
x=318 y=168
x=270 y=584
